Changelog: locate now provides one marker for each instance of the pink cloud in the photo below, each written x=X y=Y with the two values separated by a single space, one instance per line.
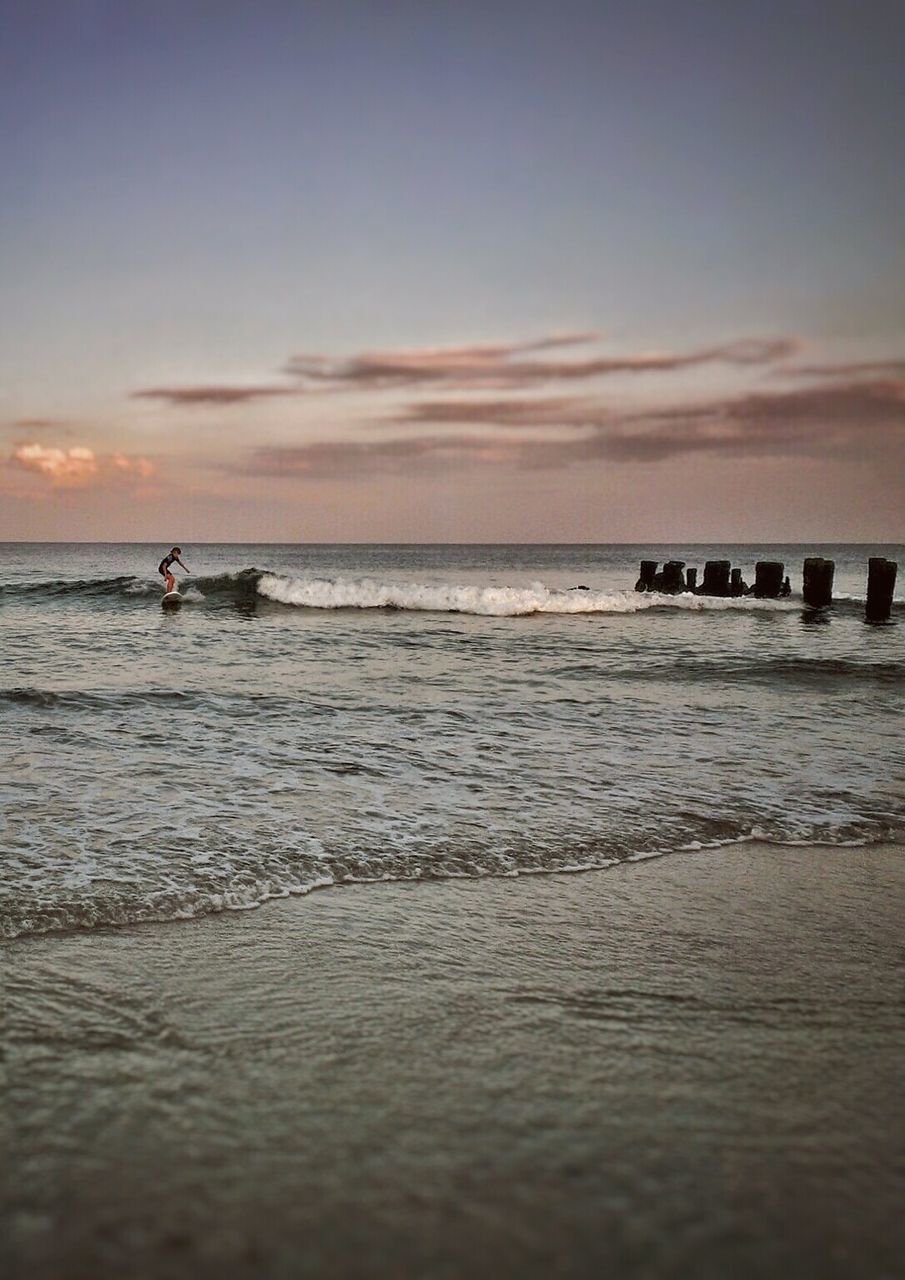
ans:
x=140 y=468
x=79 y=465
x=61 y=466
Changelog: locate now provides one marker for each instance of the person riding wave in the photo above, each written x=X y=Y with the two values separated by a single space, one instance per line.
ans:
x=164 y=568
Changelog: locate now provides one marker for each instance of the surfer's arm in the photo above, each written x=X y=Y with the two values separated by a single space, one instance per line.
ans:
x=179 y=562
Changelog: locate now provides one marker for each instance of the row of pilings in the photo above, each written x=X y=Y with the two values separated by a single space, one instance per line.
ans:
x=771 y=582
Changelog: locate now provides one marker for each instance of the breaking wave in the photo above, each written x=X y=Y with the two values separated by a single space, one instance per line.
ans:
x=251 y=585
x=485 y=601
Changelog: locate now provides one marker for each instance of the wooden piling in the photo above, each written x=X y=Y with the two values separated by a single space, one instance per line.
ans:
x=881 y=581
x=691 y=579
x=716 y=578
x=646 y=576
x=673 y=577
x=768 y=579
x=817 y=582
x=737 y=584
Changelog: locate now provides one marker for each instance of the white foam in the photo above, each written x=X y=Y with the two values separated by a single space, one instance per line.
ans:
x=506 y=602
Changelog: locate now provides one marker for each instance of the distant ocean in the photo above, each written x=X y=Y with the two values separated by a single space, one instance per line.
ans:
x=314 y=715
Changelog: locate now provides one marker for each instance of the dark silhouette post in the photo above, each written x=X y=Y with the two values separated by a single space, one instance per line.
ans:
x=817 y=582
x=691 y=579
x=737 y=584
x=673 y=577
x=716 y=578
x=881 y=582
x=768 y=576
x=646 y=576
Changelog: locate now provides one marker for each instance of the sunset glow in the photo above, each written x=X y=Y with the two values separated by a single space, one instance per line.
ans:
x=442 y=277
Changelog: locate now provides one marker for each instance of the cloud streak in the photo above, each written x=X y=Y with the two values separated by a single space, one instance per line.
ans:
x=558 y=411
x=500 y=365
x=854 y=403
x=213 y=394
x=894 y=368
x=343 y=459
x=856 y=420
x=475 y=366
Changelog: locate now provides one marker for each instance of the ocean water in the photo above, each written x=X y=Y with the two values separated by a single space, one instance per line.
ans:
x=314 y=715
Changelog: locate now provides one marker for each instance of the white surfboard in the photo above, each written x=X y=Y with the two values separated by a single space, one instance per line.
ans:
x=171 y=597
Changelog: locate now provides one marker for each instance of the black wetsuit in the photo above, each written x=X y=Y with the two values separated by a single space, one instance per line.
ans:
x=166 y=562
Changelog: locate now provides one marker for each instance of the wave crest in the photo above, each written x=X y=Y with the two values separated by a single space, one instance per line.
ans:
x=485 y=601
x=235 y=585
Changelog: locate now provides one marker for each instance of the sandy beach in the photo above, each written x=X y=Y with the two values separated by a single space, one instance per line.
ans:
x=685 y=1067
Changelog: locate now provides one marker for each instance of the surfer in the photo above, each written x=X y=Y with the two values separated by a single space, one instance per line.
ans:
x=164 y=568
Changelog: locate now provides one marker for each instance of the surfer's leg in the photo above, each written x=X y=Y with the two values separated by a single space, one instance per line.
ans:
x=171 y=583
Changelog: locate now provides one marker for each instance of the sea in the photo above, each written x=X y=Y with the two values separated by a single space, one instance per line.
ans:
x=315 y=715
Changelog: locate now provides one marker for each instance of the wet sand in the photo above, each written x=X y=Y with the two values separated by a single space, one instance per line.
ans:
x=685 y=1067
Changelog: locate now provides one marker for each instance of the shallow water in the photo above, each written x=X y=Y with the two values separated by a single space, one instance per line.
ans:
x=313 y=715
x=687 y=1069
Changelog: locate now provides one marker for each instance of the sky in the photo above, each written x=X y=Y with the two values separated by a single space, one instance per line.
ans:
x=291 y=270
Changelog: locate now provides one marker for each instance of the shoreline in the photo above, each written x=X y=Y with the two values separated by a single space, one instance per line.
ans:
x=688 y=1069
x=521 y=874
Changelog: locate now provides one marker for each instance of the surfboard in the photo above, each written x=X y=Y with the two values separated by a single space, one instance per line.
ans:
x=171 y=598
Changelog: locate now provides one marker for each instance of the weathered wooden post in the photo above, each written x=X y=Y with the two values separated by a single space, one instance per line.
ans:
x=691 y=579
x=716 y=578
x=673 y=577
x=881 y=582
x=646 y=577
x=737 y=584
x=768 y=575
x=817 y=582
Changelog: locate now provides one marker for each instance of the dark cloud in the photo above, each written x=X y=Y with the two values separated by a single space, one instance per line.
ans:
x=497 y=365
x=504 y=365
x=36 y=424
x=856 y=369
x=412 y=365
x=214 y=394
x=881 y=399
x=849 y=420
x=319 y=370
x=561 y=411
x=857 y=420
x=854 y=403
